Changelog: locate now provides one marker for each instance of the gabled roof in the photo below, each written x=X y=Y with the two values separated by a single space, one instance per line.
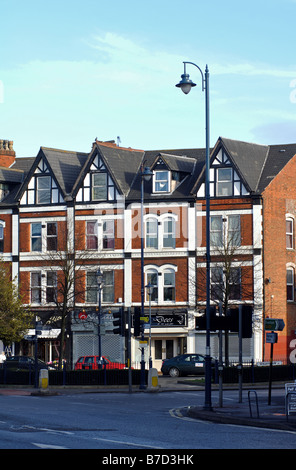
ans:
x=122 y=164
x=248 y=158
x=278 y=156
x=256 y=164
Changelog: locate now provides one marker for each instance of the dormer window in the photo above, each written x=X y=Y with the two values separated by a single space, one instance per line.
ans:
x=43 y=189
x=161 y=181
x=224 y=182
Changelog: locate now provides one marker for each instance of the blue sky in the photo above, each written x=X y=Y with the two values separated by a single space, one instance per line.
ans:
x=71 y=71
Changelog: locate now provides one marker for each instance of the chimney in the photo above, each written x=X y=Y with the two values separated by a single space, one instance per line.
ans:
x=7 y=154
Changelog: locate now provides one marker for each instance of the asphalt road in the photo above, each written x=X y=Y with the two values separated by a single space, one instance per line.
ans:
x=152 y=422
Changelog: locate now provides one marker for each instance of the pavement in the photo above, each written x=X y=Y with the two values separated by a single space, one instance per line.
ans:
x=246 y=413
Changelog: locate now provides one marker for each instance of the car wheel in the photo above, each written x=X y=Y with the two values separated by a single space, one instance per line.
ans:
x=174 y=372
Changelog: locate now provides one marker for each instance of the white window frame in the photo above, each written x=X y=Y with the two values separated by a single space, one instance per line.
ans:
x=160 y=233
x=101 y=233
x=290 y=234
x=290 y=282
x=157 y=182
x=160 y=272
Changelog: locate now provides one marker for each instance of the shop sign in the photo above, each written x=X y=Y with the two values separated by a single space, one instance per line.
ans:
x=168 y=319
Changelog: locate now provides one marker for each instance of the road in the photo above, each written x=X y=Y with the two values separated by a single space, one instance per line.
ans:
x=148 y=421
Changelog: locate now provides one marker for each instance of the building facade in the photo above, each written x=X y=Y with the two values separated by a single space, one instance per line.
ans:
x=64 y=214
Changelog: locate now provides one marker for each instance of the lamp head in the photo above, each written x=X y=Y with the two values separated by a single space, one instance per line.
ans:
x=185 y=84
x=147 y=173
x=100 y=276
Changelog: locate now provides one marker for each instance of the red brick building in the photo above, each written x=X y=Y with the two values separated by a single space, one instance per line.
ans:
x=84 y=209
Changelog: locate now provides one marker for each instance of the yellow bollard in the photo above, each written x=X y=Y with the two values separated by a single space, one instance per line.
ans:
x=153 y=380
x=43 y=379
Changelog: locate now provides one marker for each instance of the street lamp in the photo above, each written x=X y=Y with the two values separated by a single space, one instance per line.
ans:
x=100 y=282
x=149 y=288
x=186 y=84
x=146 y=174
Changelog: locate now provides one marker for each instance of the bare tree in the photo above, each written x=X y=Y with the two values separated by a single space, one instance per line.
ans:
x=232 y=268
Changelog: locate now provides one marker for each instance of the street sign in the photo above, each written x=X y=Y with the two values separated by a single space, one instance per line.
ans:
x=271 y=338
x=290 y=398
x=144 y=319
x=274 y=324
x=29 y=337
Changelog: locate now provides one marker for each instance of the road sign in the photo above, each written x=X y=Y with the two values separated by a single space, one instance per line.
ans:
x=290 y=398
x=144 y=319
x=271 y=338
x=274 y=324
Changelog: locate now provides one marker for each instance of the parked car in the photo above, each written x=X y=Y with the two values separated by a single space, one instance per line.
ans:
x=23 y=363
x=92 y=363
x=185 y=364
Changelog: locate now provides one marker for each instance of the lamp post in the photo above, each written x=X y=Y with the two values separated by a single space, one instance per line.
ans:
x=146 y=174
x=186 y=84
x=100 y=282
x=149 y=288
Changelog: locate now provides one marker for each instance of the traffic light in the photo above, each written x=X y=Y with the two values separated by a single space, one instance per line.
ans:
x=137 y=321
x=201 y=322
x=119 y=322
x=232 y=320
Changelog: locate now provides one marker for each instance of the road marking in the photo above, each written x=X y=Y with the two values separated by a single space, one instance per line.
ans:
x=126 y=443
x=47 y=446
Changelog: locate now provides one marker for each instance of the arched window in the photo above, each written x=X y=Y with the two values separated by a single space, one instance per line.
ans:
x=289 y=233
x=169 y=237
x=152 y=278
x=290 y=284
x=151 y=233
x=162 y=280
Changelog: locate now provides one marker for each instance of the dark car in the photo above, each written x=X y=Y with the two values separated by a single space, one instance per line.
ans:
x=23 y=363
x=185 y=364
x=93 y=363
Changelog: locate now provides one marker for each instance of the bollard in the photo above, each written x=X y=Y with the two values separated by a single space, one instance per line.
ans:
x=153 y=380
x=43 y=379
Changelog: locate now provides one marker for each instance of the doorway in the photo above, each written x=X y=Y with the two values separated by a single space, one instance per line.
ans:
x=165 y=349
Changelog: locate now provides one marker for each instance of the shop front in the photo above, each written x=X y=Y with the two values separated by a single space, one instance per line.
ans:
x=167 y=338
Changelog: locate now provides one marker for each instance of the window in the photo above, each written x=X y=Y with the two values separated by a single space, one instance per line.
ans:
x=289 y=233
x=169 y=239
x=51 y=286
x=36 y=238
x=223 y=284
x=216 y=230
x=92 y=287
x=290 y=284
x=217 y=283
x=1 y=238
x=43 y=190
x=224 y=182
x=162 y=280
x=51 y=236
x=234 y=230
x=161 y=181
x=152 y=233
x=152 y=278
x=91 y=236
x=234 y=284
x=169 y=286
x=222 y=227
x=99 y=186
x=108 y=287
x=108 y=235
x=161 y=232
x=36 y=287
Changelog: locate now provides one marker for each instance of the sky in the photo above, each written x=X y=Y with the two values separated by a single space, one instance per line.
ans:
x=72 y=71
